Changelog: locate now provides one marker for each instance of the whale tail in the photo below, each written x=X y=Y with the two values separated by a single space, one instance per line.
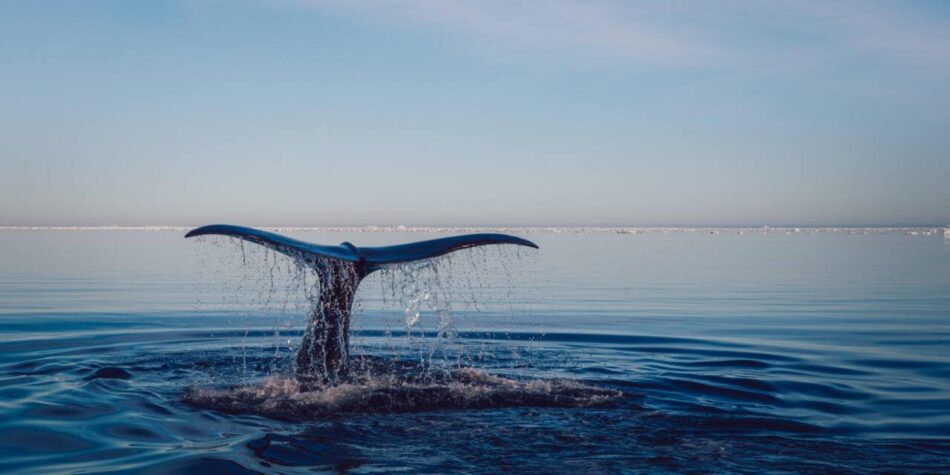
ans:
x=323 y=354
x=368 y=258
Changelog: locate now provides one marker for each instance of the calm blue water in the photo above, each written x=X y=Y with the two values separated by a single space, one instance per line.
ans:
x=723 y=353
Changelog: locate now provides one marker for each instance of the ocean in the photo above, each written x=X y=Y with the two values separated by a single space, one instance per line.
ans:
x=659 y=350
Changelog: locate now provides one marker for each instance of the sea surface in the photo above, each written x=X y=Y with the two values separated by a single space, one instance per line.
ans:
x=655 y=352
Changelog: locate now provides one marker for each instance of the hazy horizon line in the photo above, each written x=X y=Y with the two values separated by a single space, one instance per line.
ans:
x=397 y=227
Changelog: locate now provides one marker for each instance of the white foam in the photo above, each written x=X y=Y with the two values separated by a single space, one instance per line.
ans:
x=467 y=388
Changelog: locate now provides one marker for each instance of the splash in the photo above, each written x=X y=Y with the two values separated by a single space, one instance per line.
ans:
x=429 y=302
x=426 y=370
x=278 y=300
x=388 y=392
x=418 y=305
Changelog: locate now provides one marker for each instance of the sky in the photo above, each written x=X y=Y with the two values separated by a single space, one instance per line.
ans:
x=496 y=112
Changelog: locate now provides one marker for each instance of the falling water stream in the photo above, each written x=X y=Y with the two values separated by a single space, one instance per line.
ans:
x=429 y=371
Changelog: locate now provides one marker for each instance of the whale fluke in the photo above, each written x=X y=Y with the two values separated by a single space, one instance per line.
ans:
x=369 y=256
x=275 y=241
x=323 y=354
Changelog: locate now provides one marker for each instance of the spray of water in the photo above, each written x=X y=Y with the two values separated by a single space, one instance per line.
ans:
x=420 y=364
x=420 y=305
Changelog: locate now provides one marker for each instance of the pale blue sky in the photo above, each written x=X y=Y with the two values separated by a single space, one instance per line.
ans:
x=547 y=112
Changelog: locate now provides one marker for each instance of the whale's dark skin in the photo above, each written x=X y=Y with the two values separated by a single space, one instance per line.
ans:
x=323 y=354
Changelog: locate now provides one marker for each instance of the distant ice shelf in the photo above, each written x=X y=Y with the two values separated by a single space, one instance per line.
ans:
x=631 y=230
